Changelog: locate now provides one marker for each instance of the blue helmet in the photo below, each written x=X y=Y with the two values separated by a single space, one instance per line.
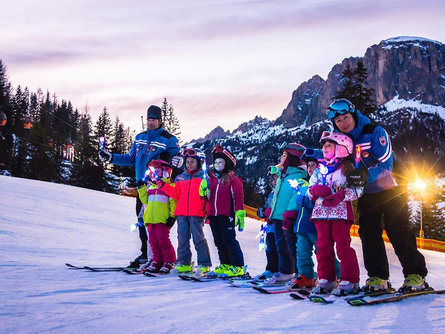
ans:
x=340 y=107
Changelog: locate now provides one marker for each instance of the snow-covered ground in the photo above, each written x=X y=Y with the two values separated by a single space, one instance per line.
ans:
x=44 y=225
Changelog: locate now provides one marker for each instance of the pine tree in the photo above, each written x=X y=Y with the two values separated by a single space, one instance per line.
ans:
x=119 y=144
x=354 y=87
x=103 y=128
x=169 y=119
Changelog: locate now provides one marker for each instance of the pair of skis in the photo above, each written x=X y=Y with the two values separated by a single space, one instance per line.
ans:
x=100 y=269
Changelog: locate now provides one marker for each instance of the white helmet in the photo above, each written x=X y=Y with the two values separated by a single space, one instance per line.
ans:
x=344 y=145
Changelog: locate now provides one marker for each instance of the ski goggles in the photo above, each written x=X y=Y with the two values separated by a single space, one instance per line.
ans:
x=291 y=146
x=312 y=154
x=189 y=152
x=340 y=107
x=158 y=164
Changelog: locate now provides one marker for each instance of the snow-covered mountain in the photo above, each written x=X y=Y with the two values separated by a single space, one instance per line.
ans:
x=408 y=78
x=43 y=225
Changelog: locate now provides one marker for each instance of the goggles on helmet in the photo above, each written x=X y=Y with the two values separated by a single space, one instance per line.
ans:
x=159 y=164
x=189 y=152
x=340 y=107
x=312 y=154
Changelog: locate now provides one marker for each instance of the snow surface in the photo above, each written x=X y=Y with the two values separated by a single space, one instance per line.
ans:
x=404 y=39
x=397 y=103
x=44 y=225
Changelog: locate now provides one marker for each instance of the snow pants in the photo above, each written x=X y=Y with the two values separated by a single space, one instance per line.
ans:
x=143 y=236
x=336 y=232
x=224 y=236
x=159 y=237
x=285 y=241
x=306 y=245
x=271 y=253
x=192 y=226
x=392 y=204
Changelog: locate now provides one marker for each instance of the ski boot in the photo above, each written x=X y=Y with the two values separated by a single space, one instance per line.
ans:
x=182 y=269
x=218 y=270
x=166 y=268
x=300 y=282
x=141 y=259
x=278 y=279
x=264 y=276
x=154 y=267
x=413 y=283
x=324 y=286
x=232 y=271
x=144 y=266
x=374 y=284
x=201 y=271
x=346 y=288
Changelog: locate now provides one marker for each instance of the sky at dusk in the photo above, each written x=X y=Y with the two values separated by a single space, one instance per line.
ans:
x=217 y=62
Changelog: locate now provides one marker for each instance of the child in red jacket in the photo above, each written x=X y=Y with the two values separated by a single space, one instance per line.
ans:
x=190 y=213
x=225 y=210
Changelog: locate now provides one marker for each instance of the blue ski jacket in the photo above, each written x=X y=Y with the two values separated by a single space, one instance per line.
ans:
x=376 y=153
x=147 y=146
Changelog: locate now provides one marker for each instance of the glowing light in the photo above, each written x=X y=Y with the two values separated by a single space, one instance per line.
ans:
x=420 y=184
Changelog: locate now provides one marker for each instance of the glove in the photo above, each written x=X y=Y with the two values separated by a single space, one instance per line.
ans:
x=288 y=219
x=239 y=219
x=267 y=213
x=358 y=177
x=170 y=221
x=320 y=191
x=334 y=199
x=204 y=188
x=105 y=156
x=260 y=213
x=177 y=161
x=159 y=183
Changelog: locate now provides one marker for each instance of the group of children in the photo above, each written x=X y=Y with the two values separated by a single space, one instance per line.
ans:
x=195 y=197
x=309 y=208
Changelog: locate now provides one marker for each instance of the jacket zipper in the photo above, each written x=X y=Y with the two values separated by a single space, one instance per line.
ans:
x=216 y=198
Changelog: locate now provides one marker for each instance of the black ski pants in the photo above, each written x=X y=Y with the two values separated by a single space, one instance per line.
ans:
x=224 y=236
x=392 y=206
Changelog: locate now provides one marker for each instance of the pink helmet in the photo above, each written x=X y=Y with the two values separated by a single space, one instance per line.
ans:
x=344 y=145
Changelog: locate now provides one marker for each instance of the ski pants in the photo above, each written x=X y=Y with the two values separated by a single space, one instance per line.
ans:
x=159 y=237
x=285 y=241
x=145 y=247
x=224 y=236
x=192 y=226
x=392 y=204
x=271 y=253
x=306 y=245
x=330 y=232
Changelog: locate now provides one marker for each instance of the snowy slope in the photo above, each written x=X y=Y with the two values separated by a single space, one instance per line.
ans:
x=44 y=225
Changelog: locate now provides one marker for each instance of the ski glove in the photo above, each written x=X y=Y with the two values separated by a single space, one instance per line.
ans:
x=334 y=199
x=204 y=188
x=319 y=191
x=358 y=177
x=170 y=221
x=177 y=161
x=239 y=219
x=288 y=219
x=105 y=156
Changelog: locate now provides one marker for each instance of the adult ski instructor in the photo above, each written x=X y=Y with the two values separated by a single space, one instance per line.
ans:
x=382 y=197
x=155 y=143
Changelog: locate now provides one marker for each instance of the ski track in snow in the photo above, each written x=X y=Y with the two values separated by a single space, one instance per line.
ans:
x=43 y=225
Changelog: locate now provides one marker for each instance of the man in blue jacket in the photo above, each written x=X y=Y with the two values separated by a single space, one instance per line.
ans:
x=155 y=143
x=382 y=197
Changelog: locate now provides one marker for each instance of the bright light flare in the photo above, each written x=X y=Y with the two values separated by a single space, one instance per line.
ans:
x=420 y=185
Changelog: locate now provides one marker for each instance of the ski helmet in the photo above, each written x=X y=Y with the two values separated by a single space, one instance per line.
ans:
x=344 y=145
x=293 y=149
x=220 y=152
x=165 y=166
x=194 y=153
x=340 y=107
x=311 y=154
